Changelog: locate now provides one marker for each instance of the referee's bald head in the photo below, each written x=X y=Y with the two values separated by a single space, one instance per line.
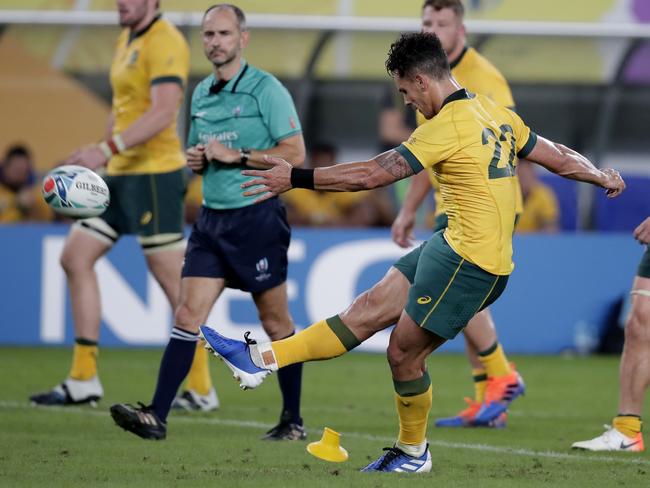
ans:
x=239 y=13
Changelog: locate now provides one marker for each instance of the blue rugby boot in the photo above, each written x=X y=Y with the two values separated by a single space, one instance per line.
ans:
x=397 y=461
x=236 y=355
x=500 y=393
x=467 y=418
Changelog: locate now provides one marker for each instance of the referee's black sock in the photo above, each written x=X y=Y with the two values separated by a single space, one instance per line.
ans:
x=174 y=366
x=290 y=379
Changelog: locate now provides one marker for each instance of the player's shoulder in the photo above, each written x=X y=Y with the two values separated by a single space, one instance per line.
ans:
x=163 y=30
x=481 y=64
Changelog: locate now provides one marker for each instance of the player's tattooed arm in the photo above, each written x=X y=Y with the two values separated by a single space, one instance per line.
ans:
x=395 y=164
x=382 y=170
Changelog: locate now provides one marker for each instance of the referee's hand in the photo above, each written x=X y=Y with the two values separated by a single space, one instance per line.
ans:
x=195 y=158
x=270 y=182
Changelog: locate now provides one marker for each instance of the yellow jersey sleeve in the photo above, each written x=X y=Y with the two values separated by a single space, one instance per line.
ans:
x=525 y=139
x=430 y=143
x=169 y=61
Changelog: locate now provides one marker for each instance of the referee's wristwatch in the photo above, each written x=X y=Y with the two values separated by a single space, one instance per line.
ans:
x=244 y=155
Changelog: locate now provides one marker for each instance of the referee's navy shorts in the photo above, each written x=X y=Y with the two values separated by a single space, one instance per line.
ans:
x=246 y=246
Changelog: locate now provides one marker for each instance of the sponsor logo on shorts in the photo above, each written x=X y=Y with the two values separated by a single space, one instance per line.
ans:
x=262 y=267
x=424 y=300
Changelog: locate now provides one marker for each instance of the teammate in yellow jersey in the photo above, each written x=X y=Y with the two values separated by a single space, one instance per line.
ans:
x=145 y=175
x=433 y=291
x=496 y=383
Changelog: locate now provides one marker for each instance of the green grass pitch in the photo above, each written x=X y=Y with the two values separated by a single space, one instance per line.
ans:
x=567 y=400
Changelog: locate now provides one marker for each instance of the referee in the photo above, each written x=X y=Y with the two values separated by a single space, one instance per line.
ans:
x=239 y=115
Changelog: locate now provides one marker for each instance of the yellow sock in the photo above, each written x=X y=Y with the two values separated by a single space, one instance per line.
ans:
x=628 y=425
x=480 y=384
x=198 y=379
x=494 y=361
x=413 y=410
x=84 y=360
x=323 y=340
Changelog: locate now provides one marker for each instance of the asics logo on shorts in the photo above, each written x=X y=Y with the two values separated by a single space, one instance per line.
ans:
x=424 y=300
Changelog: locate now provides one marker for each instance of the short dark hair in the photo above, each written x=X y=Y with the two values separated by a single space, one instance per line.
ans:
x=455 y=5
x=417 y=53
x=17 y=150
x=239 y=13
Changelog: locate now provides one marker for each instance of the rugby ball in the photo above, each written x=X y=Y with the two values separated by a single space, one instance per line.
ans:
x=75 y=191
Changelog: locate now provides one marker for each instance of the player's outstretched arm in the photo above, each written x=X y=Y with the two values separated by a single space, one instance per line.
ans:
x=568 y=163
x=382 y=170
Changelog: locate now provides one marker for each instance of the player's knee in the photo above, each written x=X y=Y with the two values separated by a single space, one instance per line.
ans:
x=396 y=355
x=187 y=318
x=638 y=322
x=73 y=263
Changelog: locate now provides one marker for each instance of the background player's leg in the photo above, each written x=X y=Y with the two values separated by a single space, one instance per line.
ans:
x=81 y=251
x=635 y=361
x=273 y=309
x=634 y=377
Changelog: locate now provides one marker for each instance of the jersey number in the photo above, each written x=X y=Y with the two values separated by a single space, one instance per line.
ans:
x=494 y=171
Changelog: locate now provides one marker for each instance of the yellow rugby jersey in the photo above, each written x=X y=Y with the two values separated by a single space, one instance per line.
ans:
x=471 y=144
x=157 y=54
x=474 y=72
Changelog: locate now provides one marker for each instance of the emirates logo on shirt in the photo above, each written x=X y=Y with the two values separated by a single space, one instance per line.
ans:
x=292 y=123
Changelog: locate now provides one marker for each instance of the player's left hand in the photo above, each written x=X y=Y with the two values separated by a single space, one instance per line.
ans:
x=89 y=156
x=270 y=182
x=614 y=183
x=215 y=151
x=642 y=232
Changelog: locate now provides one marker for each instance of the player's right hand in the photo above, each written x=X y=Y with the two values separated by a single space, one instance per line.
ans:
x=402 y=229
x=642 y=232
x=614 y=184
x=195 y=158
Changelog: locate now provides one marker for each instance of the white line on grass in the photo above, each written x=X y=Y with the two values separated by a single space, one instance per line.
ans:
x=623 y=459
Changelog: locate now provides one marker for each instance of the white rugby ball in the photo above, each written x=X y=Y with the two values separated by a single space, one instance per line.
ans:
x=75 y=191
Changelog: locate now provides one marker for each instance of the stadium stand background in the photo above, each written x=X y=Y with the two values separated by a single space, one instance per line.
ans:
x=561 y=85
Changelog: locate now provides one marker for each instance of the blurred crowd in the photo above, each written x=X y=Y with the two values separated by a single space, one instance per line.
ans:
x=21 y=200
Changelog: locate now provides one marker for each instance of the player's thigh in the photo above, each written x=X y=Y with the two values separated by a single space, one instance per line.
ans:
x=149 y=206
x=197 y=296
x=159 y=215
x=82 y=249
x=273 y=309
x=166 y=265
x=449 y=290
x=379 y=307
